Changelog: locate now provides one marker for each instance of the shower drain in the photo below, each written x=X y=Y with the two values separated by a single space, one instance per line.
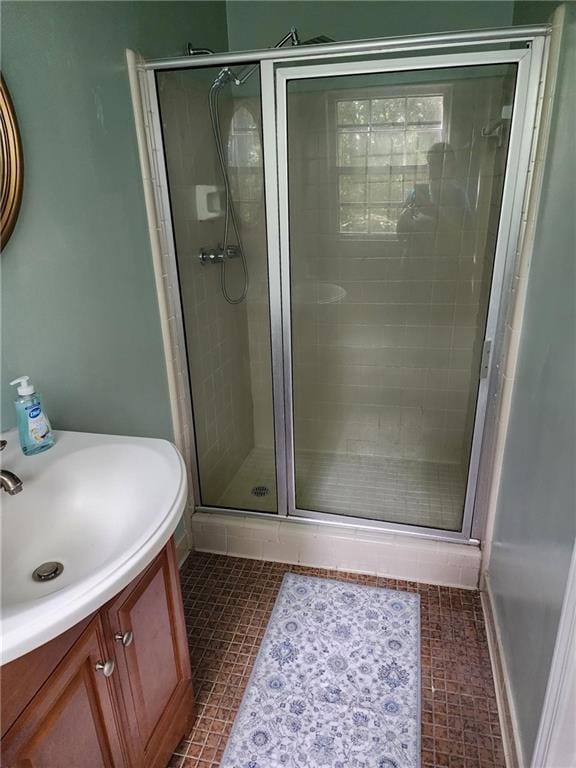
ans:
x=260 y=490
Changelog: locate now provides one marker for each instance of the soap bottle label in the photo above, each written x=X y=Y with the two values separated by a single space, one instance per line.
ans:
x=38 y=426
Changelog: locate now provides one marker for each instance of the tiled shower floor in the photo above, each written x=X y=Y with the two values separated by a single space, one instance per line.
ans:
x=395 y=490
x=228 y=602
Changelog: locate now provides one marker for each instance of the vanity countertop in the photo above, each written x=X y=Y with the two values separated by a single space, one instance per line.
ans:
x=102 y=506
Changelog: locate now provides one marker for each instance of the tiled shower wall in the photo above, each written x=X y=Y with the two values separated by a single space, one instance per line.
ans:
x=257 y=304
x=217 y=332
x=390 y=369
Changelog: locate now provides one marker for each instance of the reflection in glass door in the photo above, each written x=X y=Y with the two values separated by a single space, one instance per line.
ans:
x=394 y=186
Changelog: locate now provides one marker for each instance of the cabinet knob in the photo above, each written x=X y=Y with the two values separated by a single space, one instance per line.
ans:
x=105 y=666
x=124 y=638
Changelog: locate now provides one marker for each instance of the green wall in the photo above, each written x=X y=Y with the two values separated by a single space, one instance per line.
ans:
x=79 y=306
x=534 y=11
x=536 y=522
x=257 y=24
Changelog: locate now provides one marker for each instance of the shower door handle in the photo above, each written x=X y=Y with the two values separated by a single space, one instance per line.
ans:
x=485 y=361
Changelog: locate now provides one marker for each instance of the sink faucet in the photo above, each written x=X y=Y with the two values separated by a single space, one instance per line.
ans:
x=9 y=482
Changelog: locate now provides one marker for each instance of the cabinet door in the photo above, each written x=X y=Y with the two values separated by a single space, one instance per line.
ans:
x=153 y=660
x=72 y=720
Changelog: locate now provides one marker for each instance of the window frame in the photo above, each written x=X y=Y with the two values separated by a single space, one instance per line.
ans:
x=334 y=172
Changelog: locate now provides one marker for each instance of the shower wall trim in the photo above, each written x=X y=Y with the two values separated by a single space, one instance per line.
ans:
x=164 y=265
x=488 y=491
x=511 y=219
x=177 y=338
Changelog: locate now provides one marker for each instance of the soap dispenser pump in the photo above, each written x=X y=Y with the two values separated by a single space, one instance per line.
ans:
x=33 y=425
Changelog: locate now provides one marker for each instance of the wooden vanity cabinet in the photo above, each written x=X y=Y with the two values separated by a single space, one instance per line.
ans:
x=72 y=720
x=146 y=621
x=80 y=716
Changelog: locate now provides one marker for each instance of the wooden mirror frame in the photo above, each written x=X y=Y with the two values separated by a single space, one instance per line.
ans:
x=11 y=165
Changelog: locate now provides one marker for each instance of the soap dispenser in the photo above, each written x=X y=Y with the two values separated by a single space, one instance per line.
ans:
x=33 y=425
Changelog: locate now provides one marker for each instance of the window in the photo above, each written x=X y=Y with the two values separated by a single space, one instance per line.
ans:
x=245 y=164
x=381 y=153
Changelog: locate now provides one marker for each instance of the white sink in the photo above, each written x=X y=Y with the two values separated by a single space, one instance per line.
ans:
x=101 y=505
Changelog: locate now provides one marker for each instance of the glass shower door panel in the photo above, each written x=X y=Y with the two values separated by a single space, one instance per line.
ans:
x=395 y=183
x=224 y=307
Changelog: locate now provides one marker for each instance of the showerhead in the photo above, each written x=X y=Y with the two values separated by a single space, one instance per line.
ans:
x=318 y=40
x=227 y=75
x=224 y=76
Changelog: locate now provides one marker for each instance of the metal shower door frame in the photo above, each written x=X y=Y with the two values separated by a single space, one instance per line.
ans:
x=275 y=76
x=529 y=61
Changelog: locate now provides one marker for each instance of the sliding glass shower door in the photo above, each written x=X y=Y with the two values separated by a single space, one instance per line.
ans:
x=341 y=225
x=392 y=179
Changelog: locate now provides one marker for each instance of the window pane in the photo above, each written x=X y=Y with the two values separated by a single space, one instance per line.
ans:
x=388 y=139
x=353 y=219
x=398 y=141
x=383 y=220
x=388 y=111
x=243 y=120
x=352 y=190
x=425 y=139
x=352 y=149
x=424 y=109
x=411 y=144
x=353 y=112
x=422 y=175
x=244 y=151
x=408 y=188
x=411 y=141
x=396 y=188
x=249 y=212
x=250 y=186
x=381 y=145
x=379 y=191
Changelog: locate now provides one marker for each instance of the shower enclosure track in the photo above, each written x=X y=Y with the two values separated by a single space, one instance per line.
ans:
x=354 y=48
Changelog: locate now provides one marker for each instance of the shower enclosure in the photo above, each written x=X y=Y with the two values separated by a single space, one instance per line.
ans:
x=344 y=220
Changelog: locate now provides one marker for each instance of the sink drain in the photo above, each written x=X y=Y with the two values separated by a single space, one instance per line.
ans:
x=47 y=571
x=260 y=490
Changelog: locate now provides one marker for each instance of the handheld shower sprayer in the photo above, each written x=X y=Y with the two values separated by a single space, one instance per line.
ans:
x=226 y=251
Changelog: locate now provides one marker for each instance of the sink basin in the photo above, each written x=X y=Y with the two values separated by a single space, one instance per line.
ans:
x=102 y=506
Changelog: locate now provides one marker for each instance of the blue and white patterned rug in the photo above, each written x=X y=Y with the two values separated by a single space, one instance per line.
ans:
x=336 y=683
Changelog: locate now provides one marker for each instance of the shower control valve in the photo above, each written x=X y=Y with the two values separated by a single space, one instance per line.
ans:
x=219 y=254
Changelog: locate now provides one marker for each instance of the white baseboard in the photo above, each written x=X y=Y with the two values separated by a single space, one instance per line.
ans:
x=359 y=550
x=556 y=740
x=504 y=698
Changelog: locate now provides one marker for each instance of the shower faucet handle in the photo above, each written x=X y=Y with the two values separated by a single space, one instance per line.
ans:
x=219 y=254
x=208 y=255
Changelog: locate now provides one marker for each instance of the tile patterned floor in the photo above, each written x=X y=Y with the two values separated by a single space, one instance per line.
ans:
x=228 y=602
x=378 y=488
